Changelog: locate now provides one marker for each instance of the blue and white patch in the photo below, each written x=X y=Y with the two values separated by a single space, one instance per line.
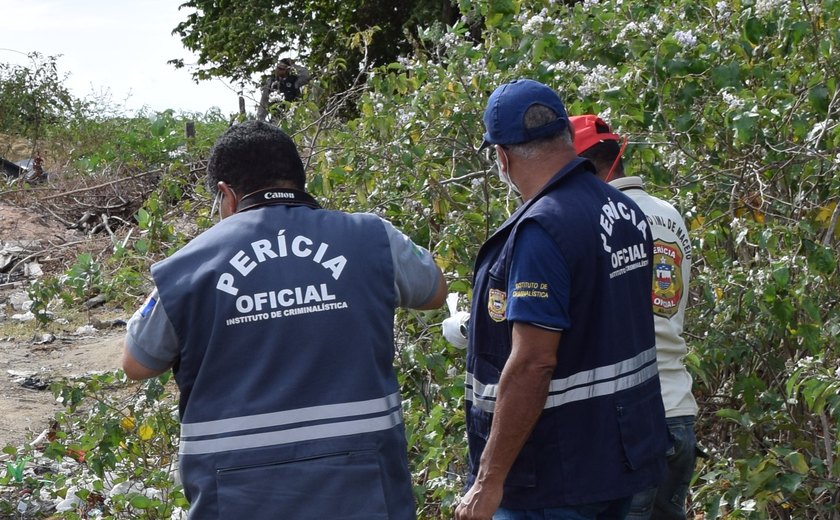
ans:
x=148 y=306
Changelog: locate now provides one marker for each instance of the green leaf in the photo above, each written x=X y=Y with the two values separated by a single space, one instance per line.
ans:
x=502 y=6
x=754 y=30
x=727 y=75
x=782 y=277
x=790 y=482
x=797 y=462
x=822 y=259
x=745 y=125
x=729 y=413
x=140 y=501
x=143 y=217
x=819 y=97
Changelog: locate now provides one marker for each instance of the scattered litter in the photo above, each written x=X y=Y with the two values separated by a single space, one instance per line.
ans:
x=8 y=254
x=27 y=316
x=96 y=301
x=45 y=338
x=70 y=503
x=21 y=373
x=33 y=269
x=20 y=301
x=86 y=329
x=35 y=383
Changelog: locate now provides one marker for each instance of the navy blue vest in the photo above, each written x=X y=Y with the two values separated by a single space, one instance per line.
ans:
x=602 y=434
x=290 y=406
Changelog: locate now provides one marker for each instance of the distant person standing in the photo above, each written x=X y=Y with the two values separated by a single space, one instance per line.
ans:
x=669 y=294
x=283 y=84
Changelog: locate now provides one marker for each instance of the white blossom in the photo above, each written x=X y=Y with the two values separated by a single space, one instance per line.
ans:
x=764 y=7
x=732 y=100
x=686 y=39
x=606 y=115
x=563 y=67
x=722 y=11
x=533 y=25
x=597 y=79
x=644 y=29
x=657 y=22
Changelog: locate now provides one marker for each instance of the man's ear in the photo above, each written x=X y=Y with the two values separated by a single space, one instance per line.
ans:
x=503 y=158
x=229 y=201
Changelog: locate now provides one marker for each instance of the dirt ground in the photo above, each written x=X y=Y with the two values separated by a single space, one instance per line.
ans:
x=30 y=358
x=26 y=406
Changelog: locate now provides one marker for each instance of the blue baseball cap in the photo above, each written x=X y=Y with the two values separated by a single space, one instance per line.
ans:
x=504 y=117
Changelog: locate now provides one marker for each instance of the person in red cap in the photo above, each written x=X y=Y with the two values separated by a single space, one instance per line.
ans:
x=672 y=270
x=564 y=411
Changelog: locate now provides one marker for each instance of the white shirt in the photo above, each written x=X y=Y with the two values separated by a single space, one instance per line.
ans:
x=672 y=271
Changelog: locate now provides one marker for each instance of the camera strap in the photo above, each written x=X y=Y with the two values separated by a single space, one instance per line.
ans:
x=287 y=196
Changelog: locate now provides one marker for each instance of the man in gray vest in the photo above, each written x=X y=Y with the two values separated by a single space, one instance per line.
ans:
x=278 y=325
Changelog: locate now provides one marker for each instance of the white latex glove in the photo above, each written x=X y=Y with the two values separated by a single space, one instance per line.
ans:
x=452 y=303
x=454 y=328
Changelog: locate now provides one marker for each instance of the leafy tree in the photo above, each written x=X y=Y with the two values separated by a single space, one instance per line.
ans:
x=238 y=39
x=33 y=98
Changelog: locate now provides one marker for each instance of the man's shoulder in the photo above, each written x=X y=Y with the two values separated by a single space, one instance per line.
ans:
x=655 y=206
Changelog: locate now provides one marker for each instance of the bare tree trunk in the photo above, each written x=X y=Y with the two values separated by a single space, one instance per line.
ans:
x=262 y=107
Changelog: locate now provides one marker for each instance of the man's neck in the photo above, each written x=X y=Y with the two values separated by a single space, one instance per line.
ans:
x=540 y=170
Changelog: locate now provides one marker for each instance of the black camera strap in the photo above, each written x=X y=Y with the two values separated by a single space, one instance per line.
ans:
x=287 y=196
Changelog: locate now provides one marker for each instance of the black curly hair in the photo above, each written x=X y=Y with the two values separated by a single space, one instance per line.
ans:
x=603 y=155
x=254 y=155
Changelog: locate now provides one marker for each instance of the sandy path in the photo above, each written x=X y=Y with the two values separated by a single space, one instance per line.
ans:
x=25 y=412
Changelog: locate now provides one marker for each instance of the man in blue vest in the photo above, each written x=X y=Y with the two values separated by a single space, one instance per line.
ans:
x=564 y=415
x=278 y=325
x=669 y=295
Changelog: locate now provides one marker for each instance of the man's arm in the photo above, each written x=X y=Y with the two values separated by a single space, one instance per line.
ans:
x=150 y=347
x=418 y=280
x=136 y=370
x=303 y=75
x=523 y=389
x=440 y=294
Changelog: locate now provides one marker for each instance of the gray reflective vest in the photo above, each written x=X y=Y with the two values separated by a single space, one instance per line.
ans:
x=290 y=407
x=602 y=434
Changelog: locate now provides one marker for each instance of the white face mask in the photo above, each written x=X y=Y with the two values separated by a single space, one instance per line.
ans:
x=504 y=176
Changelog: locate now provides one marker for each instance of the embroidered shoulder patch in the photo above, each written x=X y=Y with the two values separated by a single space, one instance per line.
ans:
x=496 y=304
x=668 y=284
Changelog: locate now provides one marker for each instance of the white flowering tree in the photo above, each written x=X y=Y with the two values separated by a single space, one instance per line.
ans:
x=731 y=108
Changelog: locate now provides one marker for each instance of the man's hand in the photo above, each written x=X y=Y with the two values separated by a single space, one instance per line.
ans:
x=480 y=503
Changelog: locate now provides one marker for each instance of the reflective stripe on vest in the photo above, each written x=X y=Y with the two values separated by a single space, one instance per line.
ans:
x=601 y=381
x=345 y=419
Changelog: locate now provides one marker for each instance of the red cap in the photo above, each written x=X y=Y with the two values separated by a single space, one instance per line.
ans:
x=589 y=131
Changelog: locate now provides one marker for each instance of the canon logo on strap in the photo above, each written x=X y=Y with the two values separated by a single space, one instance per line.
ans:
x=279 y=195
